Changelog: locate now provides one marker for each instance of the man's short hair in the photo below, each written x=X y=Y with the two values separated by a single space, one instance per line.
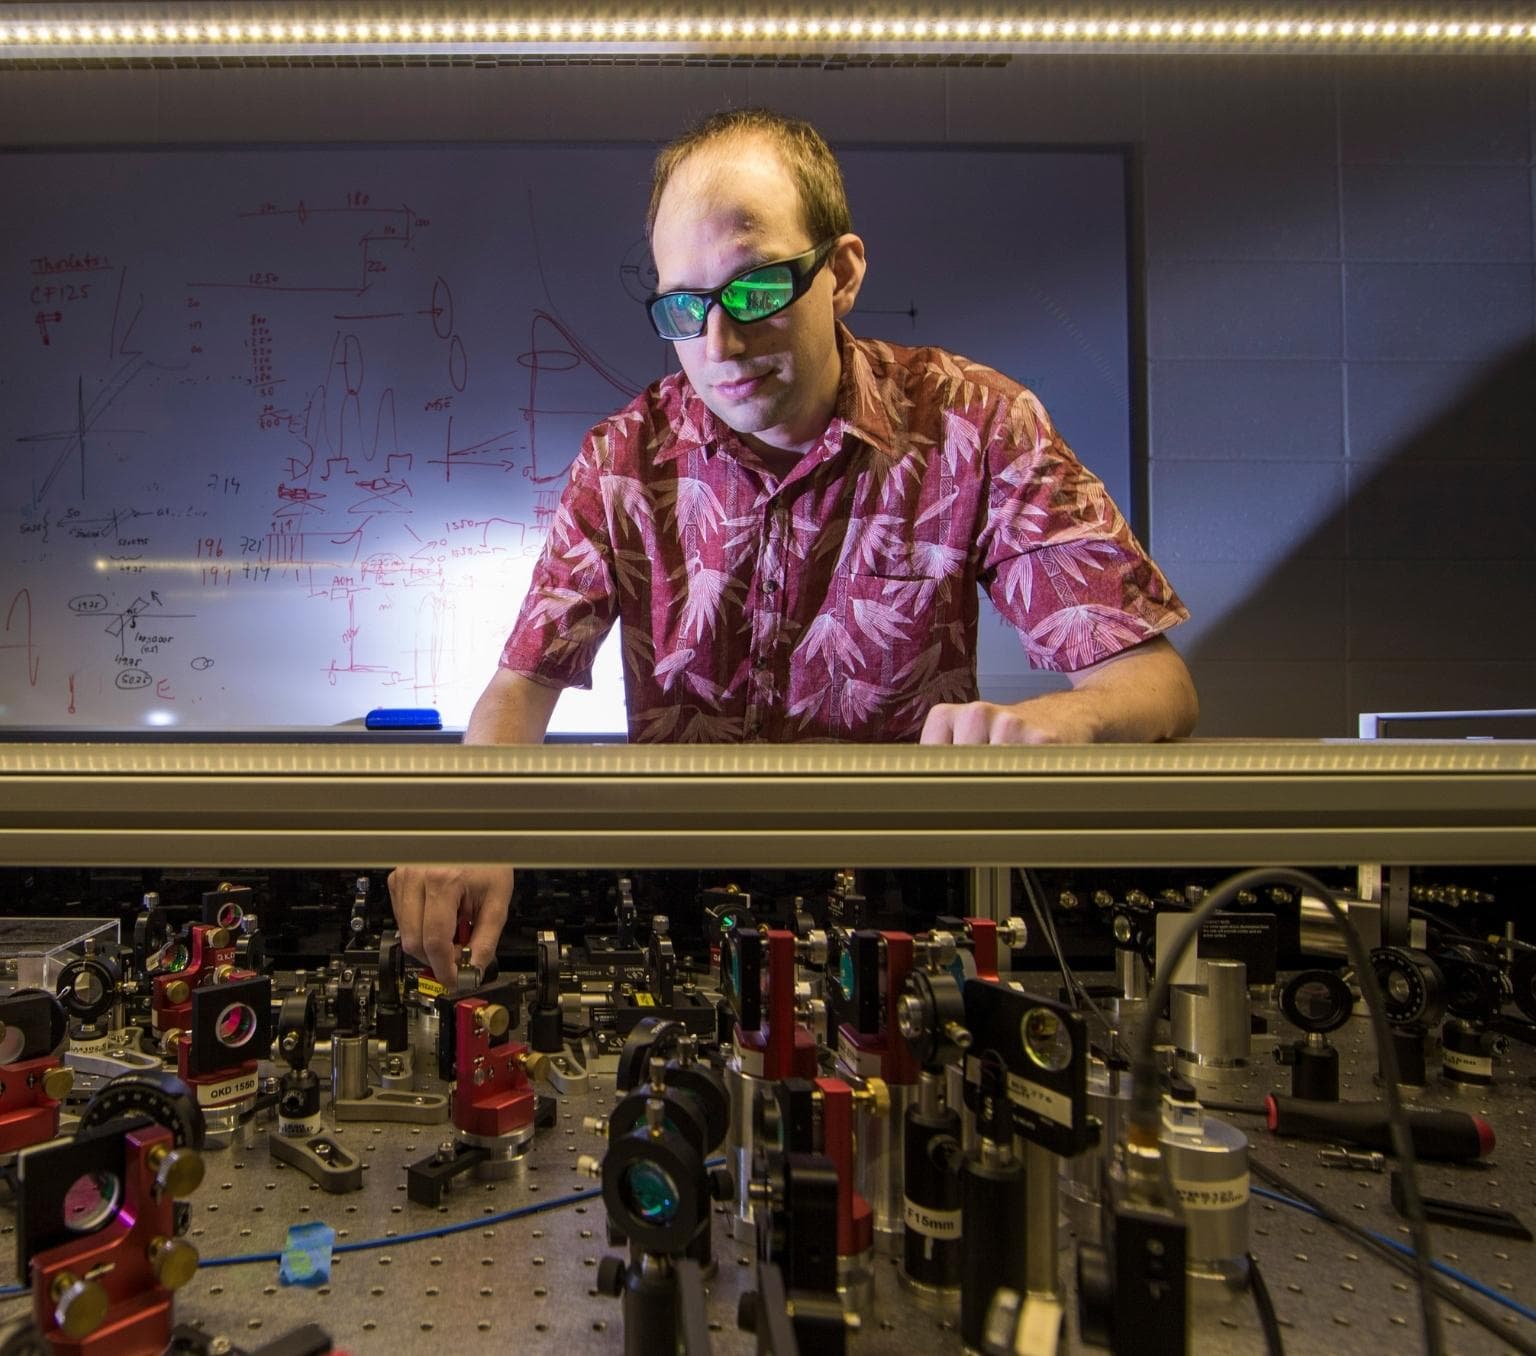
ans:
x=804 y=152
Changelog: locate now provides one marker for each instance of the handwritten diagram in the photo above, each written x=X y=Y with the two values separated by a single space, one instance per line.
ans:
x=293 y=429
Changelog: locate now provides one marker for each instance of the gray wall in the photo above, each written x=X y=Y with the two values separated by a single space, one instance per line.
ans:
x=1340 y=318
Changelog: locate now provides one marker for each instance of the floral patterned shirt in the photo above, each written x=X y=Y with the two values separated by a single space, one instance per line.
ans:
x=838 y=600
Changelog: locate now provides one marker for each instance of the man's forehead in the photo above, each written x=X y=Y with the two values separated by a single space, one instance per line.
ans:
x=740 y=183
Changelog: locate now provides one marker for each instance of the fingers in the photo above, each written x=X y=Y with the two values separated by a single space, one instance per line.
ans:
x=429 y=901
x=979 y=723
x=406 y=898
x=939 y=725
x=489 y=914
x=962 y=723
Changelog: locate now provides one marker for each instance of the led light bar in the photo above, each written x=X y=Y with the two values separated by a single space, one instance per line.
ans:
x=193 y=31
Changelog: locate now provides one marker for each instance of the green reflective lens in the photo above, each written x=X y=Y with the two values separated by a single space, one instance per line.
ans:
x=845 y=975
x=756 y=296
x=650 y=1193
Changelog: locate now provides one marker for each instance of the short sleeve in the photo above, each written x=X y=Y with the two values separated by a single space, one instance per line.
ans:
x=1058 y=558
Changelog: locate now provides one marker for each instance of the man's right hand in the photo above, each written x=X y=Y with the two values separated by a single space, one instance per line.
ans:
x=429 y=901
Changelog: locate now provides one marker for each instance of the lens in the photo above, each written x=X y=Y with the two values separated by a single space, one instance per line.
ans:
x=1315 y=1002
x=236 y=1025
x=13 y=1040
x=756 y=295
x=91 y=1201
x=88 y=987
x=1046 y=1039
x=229 y=915
x=845 y=975
x=679 y=315
x=650 y=1193
x=1399 y=989
x=170 y=959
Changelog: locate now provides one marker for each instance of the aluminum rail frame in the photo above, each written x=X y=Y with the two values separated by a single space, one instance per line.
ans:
x=1187 y=803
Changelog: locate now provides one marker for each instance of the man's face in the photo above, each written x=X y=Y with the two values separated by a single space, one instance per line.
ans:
x=726 y=210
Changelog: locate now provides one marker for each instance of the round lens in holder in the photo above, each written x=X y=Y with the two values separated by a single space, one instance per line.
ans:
x=650 y=1193
x=1412 y=985
x=236 y=1025
x=654 y=1189
x=91 y=1201
x=1475 y=987
x=170 y=959
x=1046 y=1039
x=13 y=1041
x=86 y=988
x=1317 y=1000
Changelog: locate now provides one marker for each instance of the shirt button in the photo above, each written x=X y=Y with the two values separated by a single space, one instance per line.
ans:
x=770 y=586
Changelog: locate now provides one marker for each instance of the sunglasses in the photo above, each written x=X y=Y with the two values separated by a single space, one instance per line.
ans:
x=748 y=297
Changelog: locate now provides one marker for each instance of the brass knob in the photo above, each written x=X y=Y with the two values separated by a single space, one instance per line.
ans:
x=173 y=1260
x=536 y=1065
x=178 y=1172
x=875 y=1095
x=57 y=1083
x=79 y=1306
x=493 y=1018
x=177 y=991
x=218 y=938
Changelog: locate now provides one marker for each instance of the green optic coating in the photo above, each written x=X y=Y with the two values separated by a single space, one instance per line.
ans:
x=651 y=1193
x=758 y=294
x=845 y=974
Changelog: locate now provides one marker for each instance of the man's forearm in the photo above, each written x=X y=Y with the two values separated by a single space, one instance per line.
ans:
x=1137 y=696
x=513 y=709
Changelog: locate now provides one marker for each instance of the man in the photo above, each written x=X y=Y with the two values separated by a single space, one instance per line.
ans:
x=790 y=530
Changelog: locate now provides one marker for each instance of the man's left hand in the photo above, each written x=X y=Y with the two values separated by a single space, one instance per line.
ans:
x=988 y=723
x=1140 y=694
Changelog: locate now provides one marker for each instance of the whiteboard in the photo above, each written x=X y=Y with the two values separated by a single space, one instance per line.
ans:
x=284 y=427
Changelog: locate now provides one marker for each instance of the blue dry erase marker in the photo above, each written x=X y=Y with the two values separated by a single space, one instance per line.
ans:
x=403 y=718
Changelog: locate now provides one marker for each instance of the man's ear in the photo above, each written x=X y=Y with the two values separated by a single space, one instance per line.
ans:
x=847 y=266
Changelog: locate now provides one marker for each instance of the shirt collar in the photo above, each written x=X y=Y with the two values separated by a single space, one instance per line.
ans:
x=863 y=411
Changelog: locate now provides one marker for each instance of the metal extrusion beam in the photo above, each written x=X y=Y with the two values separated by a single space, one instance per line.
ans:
x=1189 y=803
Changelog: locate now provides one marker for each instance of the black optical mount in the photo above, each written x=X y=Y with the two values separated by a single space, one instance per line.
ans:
x=659 y=1191
x=299 y=1139
x=1317 y=1002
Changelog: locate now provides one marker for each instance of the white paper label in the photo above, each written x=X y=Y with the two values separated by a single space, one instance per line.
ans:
x=231 y=1090
x=1227 y=1194
x=1472 y=1064
x=933 y=1223
x=1054 y=1106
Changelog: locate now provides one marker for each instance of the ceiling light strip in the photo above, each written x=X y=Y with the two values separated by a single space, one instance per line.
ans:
x=186 y=30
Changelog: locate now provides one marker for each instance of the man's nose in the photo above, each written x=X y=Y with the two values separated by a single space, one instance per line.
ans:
x=722 y=336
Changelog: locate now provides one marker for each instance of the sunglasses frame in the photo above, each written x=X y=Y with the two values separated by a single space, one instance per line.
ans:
x=803 y=269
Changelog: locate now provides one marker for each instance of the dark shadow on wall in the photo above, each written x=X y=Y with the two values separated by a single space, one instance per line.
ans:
x=1424 y=579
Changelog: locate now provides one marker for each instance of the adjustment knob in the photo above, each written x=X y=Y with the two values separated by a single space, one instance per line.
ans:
x=722 y=1186
x=178 y=1172
x=746 y=1311
x=173 y=1260
x=911 y=1017
x=1012 y=932
x=493 y=1018
x=610 y=1276
x=79 y=1306
x=57 y=1083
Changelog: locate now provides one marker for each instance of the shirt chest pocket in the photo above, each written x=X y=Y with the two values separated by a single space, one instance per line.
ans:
x=885 y=615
